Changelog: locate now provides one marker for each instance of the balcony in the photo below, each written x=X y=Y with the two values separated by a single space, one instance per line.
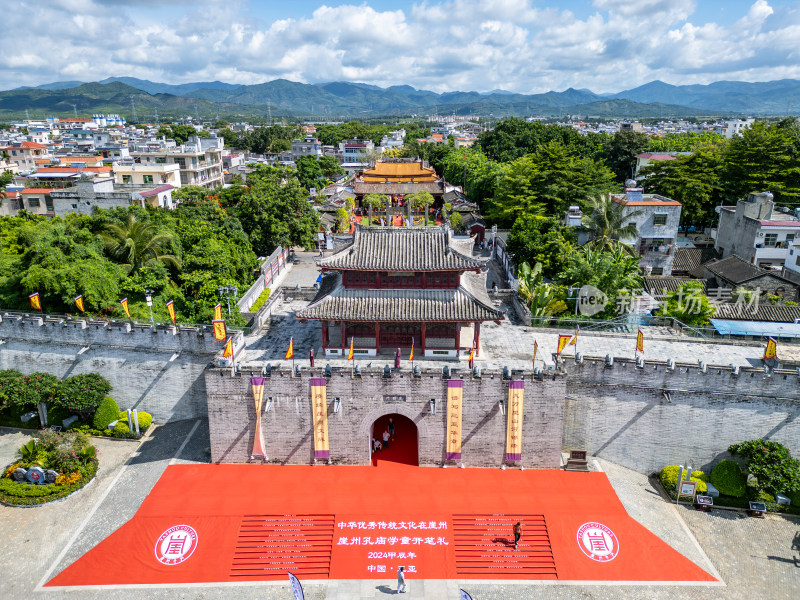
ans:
x=771 y=253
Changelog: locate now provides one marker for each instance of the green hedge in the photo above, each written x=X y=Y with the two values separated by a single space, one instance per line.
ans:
x=262 y=298
x=24 y=494
x=728 y=478
x=145 y=419
x=106 y=413
x=79 y=393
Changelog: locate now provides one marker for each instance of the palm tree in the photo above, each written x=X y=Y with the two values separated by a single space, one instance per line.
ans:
x=606 y=222
x=138 y=243
x=536 y=294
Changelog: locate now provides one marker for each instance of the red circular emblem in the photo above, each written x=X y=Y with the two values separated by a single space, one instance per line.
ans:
x=176 y=545
x=598 y=542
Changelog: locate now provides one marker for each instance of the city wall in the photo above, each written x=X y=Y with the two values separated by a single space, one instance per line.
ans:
x=286 y=417
x=158 y=370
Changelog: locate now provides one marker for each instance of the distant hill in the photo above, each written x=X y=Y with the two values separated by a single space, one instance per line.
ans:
x=338 y=99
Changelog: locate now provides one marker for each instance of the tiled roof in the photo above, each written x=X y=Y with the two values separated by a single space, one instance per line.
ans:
x=37 y=190
x=401 y=249
x=397 y=188
x=399 y=171
x=780 y=223
x=32 y=146
x=156 y=191
x=336 y=303
x=66 y=169
x=655 y=286
x=734 y=269
x=762 y=312
x=647 y=202
x=687 y=259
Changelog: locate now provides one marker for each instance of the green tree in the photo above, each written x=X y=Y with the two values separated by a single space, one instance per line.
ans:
x=342 y=221
x=688 y=304
x=138 y=243
x=764 y=157
x=231 y=137
x=513 y=138
x=456 y=222
x=694 y=180
x=608 y=223
x=310 y=172
x=5 y=179
x=480 y=172
x=375 y=202
x=537 y=295
x=772 y=464
x=622 y=151
x=421 y=201
x=541 y=240
x=546 y=182
x=615 y=272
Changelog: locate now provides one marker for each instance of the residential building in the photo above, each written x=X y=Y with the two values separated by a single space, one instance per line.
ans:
x=657 y=219
x=356 y=151
x=394 y=287
x=737 y=126
x=132 y=173
x=756 y=230
x=25 y=154
x=199 y=160
x=733 y=272
x=309 y=146
x=791 y=266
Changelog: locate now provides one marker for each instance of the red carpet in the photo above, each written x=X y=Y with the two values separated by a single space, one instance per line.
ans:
x=222 y=523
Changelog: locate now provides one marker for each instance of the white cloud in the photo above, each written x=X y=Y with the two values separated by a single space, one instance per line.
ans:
x=441 y=45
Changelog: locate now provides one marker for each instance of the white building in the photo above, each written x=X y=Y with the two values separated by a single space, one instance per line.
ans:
x=657 y=219
x=199 y=160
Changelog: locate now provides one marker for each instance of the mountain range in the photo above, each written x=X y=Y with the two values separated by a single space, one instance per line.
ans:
x=346 y=100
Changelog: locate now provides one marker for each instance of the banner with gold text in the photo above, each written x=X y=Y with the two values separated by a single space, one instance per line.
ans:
x=34 y=299
x=171 y=311
x=218 y=312
x=319 y=406
x=516 y=392
x=454 y=403
x=79 y=303
x=219 y=330
x=228 y=352
x=257 y=383
x=771 y=350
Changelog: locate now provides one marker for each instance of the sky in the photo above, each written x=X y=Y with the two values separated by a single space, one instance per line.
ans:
x=524 y=46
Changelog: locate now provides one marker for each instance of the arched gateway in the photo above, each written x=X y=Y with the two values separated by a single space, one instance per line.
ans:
x=403 y=446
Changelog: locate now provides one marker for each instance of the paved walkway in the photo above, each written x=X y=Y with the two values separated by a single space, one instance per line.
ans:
x=754 y=557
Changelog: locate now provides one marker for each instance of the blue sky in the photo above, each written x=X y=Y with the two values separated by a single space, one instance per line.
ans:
x=526 y=46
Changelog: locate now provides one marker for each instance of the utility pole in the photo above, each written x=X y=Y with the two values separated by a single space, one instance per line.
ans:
x=133 y=109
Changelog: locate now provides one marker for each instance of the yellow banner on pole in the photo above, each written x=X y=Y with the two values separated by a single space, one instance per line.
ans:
x=640 y=341
x=257 y=384
x=171 y=310
x=772 y=349
x=516 y=392
x=563 y=341
x=319 y=407
x=228 y=352
x=34 y=300
x=124 y=303
x=218 y=312
x=219 y=330
x=455 y=388
x=79 y=303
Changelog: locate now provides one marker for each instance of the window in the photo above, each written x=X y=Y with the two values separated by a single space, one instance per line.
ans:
x=797 y=260
x=126 y=179
x=659 y=219
x=33 y=202
x=770 y=240
x=657 y=271
x=48 y=202
x=147 y=178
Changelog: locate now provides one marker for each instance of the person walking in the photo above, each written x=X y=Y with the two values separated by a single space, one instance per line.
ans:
x=401 y=581
x=391 y=427
x=517 y=534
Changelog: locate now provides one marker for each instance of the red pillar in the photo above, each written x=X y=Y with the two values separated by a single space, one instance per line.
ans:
x=377 y=338
x=422 y=345
x=477 y=338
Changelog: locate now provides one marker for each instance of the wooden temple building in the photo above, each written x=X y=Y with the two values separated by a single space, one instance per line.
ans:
x=394 y=286
x=397 y=178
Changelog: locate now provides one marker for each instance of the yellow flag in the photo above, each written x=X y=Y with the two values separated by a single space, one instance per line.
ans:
x=350 y=354
x=535 y=350
x=574 y=340
x=228 y=352
x=218 y=312
x=411 y=356
x=219 y=330
x=171 y=310
x=124 y=303
x=35 y=304
x=290 y=351
x=640 y=341
x=563 y=342
x=79 y=303
x=772 y=349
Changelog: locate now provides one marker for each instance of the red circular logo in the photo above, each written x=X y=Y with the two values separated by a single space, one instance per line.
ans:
x=598 y=542
x=176 y=545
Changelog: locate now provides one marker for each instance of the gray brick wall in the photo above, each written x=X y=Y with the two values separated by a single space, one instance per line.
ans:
x=286 y=427
x=622 y=414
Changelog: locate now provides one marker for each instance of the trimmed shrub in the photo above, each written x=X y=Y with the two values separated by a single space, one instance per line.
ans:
x=776 y=470
x=669 y=479
x=145 y=419
x=121 y=430
x=728 y=478
x=106 y=413
x=262 y=298
x=794 y=497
